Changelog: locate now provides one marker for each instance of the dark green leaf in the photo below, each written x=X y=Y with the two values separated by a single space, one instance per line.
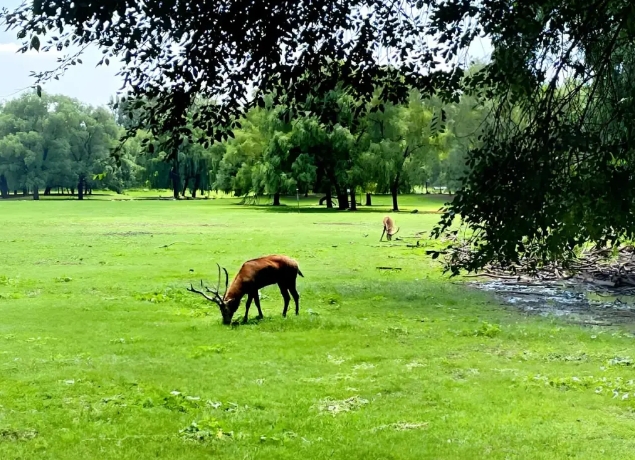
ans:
x=35 y=43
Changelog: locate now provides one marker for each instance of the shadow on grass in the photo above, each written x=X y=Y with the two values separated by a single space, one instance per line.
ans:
x=158 y=198
x=274 y=322
x=54 y=197
x=252 y=321
x=310 y=205
x=290 y=209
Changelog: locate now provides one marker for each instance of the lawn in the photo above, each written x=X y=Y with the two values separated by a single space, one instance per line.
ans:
x=104 y=354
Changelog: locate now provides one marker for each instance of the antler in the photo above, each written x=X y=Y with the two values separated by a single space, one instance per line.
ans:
x=226 y=281
x=214 y=299
x=217 y=298
x=215 y=290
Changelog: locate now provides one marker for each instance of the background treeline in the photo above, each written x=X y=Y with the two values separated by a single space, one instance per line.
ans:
x=55 y=144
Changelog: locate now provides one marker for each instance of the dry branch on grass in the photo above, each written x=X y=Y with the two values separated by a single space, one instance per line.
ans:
x=603 y=268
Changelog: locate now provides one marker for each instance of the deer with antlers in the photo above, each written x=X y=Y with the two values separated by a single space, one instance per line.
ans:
x=389 y=228
x=253 y=276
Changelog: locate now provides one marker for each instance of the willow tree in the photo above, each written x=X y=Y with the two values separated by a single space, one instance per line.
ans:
x=556 y=164
x=176 y=52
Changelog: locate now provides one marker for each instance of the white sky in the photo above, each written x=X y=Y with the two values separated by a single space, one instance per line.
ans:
x=86 y=82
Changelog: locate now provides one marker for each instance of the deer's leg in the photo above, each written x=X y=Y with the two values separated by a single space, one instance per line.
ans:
x=257 y=302
x=247 y=305
x=296 y=299
x=382 y=235
x=286 y=297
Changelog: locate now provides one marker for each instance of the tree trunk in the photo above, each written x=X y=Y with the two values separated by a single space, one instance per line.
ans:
x=394 y=190
x=174 y=176
x=25 y=191
x=4 y=187
x=427 y=192
x=47 y=191
x=197 y=185
x=342 y=198
x=90 y=191
x=329 y=198
x=306 y=193
x=342 y=195
x=15 y=193
x=369 y=201
x=276 y=199
x=36 y=193
x=185 y=182
x=80 y=188
x=73 y=191
x=353 y=200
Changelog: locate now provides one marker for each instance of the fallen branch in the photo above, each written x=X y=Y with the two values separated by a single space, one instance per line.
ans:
x=388 y=268
x=492 y=275
x=600 y=269
x=525 y=293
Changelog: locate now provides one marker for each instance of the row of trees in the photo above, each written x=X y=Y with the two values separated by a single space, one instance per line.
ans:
x=54 y=142
x=554 y=168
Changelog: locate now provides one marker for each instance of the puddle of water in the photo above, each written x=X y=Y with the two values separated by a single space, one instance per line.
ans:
x=574 y=302
x=611 y=298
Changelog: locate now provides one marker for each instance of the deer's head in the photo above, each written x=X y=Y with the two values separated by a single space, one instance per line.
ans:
x=227 y=306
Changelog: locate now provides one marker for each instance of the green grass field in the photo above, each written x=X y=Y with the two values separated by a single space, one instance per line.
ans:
x=105 y=355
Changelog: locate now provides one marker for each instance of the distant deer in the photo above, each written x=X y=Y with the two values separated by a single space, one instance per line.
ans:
x=389 y=228
x=253 y=276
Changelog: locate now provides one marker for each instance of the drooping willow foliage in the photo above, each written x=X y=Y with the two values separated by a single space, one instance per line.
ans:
x=554 y=168
x=177 y=53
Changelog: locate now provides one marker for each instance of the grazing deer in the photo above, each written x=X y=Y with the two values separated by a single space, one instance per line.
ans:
x=253 y=276
x=389 y=228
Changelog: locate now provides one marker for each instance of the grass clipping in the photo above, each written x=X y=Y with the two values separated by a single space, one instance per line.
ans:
x=336 y=407
x=402 y=426
x=205 y=430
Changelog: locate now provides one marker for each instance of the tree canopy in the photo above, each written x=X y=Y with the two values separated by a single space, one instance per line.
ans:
x=177 y=53
x=552 y=170
x=555 y=167
x=54 y=141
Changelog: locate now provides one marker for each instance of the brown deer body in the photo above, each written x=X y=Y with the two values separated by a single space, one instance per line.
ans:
x=253 y=276
x=389 y=228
